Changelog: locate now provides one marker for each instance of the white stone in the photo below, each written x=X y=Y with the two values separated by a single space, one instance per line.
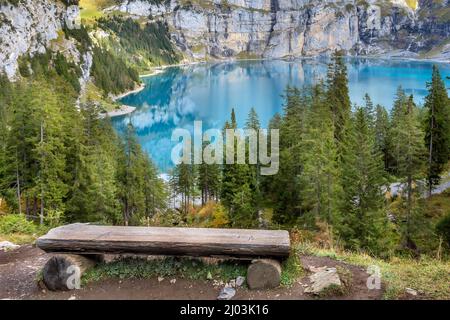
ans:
x=227 y=293
x=7 y=246
x=240 y=281
x=411 y=291
x=322 y=279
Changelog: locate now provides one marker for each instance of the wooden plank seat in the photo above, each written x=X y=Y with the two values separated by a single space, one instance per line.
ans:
x=80 y=246
x=90 y=239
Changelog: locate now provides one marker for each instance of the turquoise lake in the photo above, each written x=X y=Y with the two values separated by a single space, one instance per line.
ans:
x=207 y=92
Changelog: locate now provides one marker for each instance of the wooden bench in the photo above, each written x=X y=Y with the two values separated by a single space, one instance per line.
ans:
x=80 y=243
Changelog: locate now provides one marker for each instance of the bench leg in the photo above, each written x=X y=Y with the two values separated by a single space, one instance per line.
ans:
x=63 y=272
x=264 y=274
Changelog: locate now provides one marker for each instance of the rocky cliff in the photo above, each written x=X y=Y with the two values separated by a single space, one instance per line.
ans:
x=291 y=28
x=29 y=27
x=202 y=29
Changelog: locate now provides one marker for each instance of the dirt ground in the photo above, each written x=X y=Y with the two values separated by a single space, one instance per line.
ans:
x=19 y=269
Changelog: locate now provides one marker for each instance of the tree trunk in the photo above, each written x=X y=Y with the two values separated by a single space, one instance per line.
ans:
x=237 y=243
x=63 y=272
x=264 y=274
x=430 y=159
x=19 y=196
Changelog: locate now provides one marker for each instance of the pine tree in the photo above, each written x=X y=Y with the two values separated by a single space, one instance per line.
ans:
x=285 y=185
x=238 y=178
x=382 y=142
x=408 y=151
x=93 y=195
x=183 y=179
x=209 y=181
x=155 y=193
x=253 y=120
x=364 y=219
x=338 y=94
x=254 y=169
x=437 y=128
x=131 y=177
x=320 y=176
x=267 y=182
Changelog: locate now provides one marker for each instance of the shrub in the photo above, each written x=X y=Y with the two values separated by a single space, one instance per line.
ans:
x=443 y=228
x=212 y=215
x=16 y=223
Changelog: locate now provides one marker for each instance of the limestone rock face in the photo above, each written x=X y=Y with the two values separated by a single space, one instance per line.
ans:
x=292 y=28
x=28 y=28
x=223 y=29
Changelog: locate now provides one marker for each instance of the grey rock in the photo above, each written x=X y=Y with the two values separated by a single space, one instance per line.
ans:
x=293 y=28
x=7 y=246
x=240 y=281
x=322 y=278
x=227 y=293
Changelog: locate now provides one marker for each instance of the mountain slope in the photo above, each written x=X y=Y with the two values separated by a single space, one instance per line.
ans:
x=282 y=28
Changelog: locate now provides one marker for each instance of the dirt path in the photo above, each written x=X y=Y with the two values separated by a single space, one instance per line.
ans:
x=19 y=269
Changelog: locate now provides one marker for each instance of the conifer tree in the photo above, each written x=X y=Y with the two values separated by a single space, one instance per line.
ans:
x=184 y=178
x=437 y=128
x=238 y=179
x=364 y=220
x=320 y=175
x=382 y=137
x=93 y=195
x=285 y=185
x=209 y=181
x=131 y=177
x=338 y=94
x=409 y=154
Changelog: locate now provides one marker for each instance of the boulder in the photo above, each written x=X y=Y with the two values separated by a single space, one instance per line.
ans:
x=322 y=279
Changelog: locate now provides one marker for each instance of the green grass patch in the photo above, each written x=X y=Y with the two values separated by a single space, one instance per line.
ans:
x=427 y=275
x=185 y=268
x=93 y=9
x=19 y=238
x=291 y=269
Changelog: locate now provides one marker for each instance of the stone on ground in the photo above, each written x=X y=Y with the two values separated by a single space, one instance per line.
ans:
x=240 y=281
x=264 y=274
x=411 y=291
x=323 y=278
x=227 y=293
x=7 y=246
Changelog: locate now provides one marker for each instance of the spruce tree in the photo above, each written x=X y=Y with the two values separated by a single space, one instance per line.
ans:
x=338 y=94
x=238 y=179
x=320 y=176
x=382 y=137
x=286 y=185
x=437 y=129
x=364 y=219
x=184 y=178
x=209 y=181
x=409 y=156
x=131 y=177
x=93 y=196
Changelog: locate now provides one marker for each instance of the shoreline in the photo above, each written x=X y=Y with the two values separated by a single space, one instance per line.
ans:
x=123 y=95
x=124 y=109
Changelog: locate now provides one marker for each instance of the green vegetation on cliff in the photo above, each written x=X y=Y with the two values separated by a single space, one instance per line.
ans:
x=146 y=45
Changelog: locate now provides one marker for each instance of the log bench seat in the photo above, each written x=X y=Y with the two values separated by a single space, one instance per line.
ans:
x=80 y=242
